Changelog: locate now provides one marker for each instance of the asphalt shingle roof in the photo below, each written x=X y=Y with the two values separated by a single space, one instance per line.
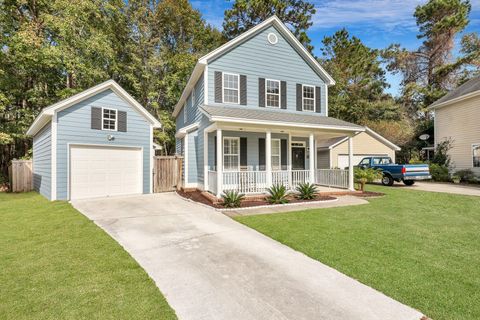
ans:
x=278 y=115
x=470 y=86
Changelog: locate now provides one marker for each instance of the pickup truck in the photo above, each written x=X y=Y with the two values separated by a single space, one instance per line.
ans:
x=407 y=173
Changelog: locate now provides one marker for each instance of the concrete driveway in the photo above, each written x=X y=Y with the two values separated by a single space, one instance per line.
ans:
x=468 y=190
x=210 y=267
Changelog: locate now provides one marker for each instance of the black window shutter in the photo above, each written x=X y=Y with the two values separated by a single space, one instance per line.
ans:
x=122 y=121
x=283 y=156
x=318 y=106
x=243 y=152
x=218 y=86
x=243 y=90
x=261 y=153
x=215 y=151
x=261 y=92
x=96 y=118
x=299 y=97
x=283 y=93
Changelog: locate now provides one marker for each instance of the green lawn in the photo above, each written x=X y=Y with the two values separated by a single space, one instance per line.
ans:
x=420 y=248
x=56 y=264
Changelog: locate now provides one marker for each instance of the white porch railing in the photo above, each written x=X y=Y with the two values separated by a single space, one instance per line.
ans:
x=245 y=181
x=332 y=178
x=280 y=178
x=300 y=176
x=212 y=181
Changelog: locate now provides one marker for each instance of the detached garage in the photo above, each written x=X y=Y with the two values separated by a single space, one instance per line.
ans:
x=333 y=153
x=98 y=143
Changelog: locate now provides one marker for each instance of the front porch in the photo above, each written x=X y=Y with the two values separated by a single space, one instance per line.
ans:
x=252 y=159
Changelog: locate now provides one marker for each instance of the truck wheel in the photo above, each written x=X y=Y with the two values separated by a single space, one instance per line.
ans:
x=408 y=182
x=387 y=180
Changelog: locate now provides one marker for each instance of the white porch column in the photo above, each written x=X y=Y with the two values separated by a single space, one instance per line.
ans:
x=350 y=164
x=219 y=163
x=205 y=161
x=268 y=158
x=289 y=162
x=311 y=160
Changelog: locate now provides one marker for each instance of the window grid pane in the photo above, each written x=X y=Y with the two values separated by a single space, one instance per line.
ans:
x=109 y=119
x=230 y=88
x=273 y=93
x=309 y=98
x=231 y=154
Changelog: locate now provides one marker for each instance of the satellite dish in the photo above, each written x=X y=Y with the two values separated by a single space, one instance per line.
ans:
x=424 y=137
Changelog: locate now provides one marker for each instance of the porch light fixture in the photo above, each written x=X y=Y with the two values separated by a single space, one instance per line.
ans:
x=110 y=137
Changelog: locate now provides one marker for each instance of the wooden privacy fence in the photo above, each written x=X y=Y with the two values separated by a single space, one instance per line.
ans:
x=167 y=173
x=20 y=175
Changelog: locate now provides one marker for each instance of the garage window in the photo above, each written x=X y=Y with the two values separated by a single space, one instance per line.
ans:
x=109 y=119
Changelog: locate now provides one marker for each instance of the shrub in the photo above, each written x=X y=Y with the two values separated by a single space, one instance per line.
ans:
x=441 y=156
x=277 y=194
x=232 y=199
x=306 y=191
x=362 y=176
x=439 y=172
x=466 y=175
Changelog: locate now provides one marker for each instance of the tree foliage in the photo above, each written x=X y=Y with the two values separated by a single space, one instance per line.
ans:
x=246 y=14
x=359 y=93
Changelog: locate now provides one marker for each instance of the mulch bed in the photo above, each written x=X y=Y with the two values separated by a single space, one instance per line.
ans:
x=199 y=197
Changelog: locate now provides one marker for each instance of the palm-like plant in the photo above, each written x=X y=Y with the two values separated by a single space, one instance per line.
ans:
x=362 y=176
x=306 y=191
x=232 y=199
x=277 y=194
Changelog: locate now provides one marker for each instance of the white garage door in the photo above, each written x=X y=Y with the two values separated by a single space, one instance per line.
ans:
x=103 y=171
x=343 y=159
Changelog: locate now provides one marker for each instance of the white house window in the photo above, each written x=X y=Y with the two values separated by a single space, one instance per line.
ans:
x=230 y=88
x=308 y=98
x=273 y=93
x=476 y=155
x=276 y=155
x=231 y=154
x=109 y=119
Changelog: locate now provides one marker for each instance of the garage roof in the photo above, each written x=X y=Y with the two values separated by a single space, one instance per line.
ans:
x=46 y=114
x=333 y=142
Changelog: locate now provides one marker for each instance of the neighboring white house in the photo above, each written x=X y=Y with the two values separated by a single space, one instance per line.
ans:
x=457 y=117
x=96 y=143
x=333 y=153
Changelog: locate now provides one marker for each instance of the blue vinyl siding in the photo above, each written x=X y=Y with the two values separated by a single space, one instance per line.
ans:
x=74 y=127
x=191 y=109
x=193 y=155
x=42 y=161
x=256 y=58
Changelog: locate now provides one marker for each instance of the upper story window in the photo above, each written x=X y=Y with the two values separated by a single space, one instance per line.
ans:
x=231 y=88
x=272 y=92
x=109 y=119
x=476 y=155
x=308 y=98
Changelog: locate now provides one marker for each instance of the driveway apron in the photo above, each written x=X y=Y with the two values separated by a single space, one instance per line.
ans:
x=210 y=267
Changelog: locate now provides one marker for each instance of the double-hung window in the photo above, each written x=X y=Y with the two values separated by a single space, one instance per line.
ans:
x=109 y=119
x=476 y=155
x=272 y=92
x=231 y=88
x=231 y=154
x=276 y=155
x=308 y=98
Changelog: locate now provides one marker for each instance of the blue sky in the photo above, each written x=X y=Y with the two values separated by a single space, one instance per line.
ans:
x=377 y=23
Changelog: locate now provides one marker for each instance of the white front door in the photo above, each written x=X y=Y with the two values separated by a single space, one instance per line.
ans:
x=104 y=171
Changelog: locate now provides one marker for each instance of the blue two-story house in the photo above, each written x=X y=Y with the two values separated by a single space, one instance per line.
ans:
x=252 y=112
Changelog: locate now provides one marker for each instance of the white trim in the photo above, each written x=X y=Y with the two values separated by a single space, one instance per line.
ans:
x=314 y=98
x=99 y=145
x=382 y=139
x=205 y=161
x=284 y=124
x=238 y=87
x=230 y=154
x=351 y=185
x=326 y=101
x=219 y=168
x=185 y=158
x=311 y=160
x=268 y=157
x=279 y=94
x=279 y=154
x=205 y=85
x=53 y=173
x=47 y=113
x=337 y=143
x=458 y=99
x=152 y=154
x=273 y=41
x=116 y=119
x=192 y=185
x=183 y=131
x=282 y=29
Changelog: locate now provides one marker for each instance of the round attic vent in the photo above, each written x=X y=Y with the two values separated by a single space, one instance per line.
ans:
x=272 y=38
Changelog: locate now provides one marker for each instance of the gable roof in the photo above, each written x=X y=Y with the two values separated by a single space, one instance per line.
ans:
x=261 y=116
x=468 y=89
x=46 y=114
x=272 y=21
x=333 y=142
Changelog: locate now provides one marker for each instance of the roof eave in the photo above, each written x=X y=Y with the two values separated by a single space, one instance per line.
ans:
x=455 y=100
